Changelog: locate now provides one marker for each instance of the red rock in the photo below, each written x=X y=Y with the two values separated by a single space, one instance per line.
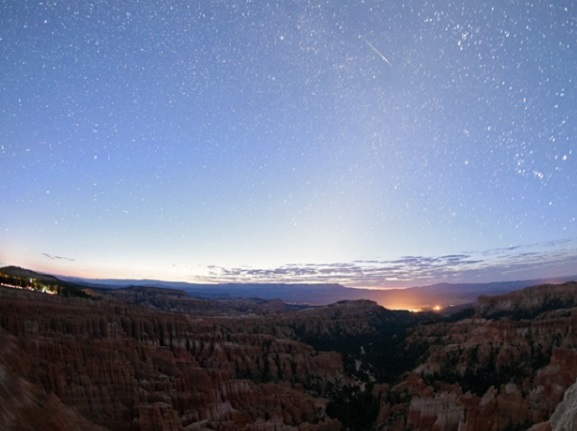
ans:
x=121 y=364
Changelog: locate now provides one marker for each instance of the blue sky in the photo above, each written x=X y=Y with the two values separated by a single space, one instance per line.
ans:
x=274 y=141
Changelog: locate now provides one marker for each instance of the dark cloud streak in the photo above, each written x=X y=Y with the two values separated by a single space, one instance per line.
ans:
x=487 y=265
x=52 y=257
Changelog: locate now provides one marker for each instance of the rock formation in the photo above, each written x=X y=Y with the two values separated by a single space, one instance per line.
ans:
x=529 y=302
x=565 y=416
x=480 y=374
x=146 y=359
x=125 y=367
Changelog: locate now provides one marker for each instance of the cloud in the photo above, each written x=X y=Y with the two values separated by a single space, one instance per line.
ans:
x=531 y=261
x=49 y=256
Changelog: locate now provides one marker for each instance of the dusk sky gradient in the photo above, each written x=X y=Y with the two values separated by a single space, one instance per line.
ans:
x=371 y=143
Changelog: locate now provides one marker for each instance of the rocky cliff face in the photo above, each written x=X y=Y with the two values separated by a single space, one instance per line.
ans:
x=178 y=301
x=125 y=367
x=565 y=416
x=495 y=374
x=530 y=302
x=25 y=406
x=123 y=362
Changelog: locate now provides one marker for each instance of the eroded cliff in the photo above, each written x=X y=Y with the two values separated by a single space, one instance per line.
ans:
x=126 y=367
x=123 y=362
x=496 y=371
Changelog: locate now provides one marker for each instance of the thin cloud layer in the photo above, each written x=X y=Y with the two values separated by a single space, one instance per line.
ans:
x=528 y=261
x=51 y=257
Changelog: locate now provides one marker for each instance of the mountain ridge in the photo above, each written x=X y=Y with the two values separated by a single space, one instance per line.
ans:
x=415 y=298
x=435 y=296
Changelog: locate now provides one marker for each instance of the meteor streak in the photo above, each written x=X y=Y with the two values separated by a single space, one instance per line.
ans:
x=378 y=52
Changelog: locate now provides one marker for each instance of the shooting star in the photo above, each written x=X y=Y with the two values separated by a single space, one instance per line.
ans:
x=378 y=52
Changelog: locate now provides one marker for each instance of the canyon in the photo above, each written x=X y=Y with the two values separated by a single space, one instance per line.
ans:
x=146 y=358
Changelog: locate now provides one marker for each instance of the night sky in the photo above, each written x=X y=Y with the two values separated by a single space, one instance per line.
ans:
x=372 y=143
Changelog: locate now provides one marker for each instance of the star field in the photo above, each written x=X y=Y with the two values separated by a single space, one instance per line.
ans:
x=271 y=141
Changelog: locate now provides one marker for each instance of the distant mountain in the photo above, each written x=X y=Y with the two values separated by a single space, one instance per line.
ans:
x=16 y=271
x=413 y=298
x=14 y=276
x=436 y=296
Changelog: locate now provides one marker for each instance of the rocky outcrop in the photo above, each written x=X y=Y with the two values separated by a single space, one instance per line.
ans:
x=529 y=302
x=119 y=364
x=178 y=301
x=369 y=337
x=565 y=416
x=484 y=374
x=441 y=412
x=25 y=406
